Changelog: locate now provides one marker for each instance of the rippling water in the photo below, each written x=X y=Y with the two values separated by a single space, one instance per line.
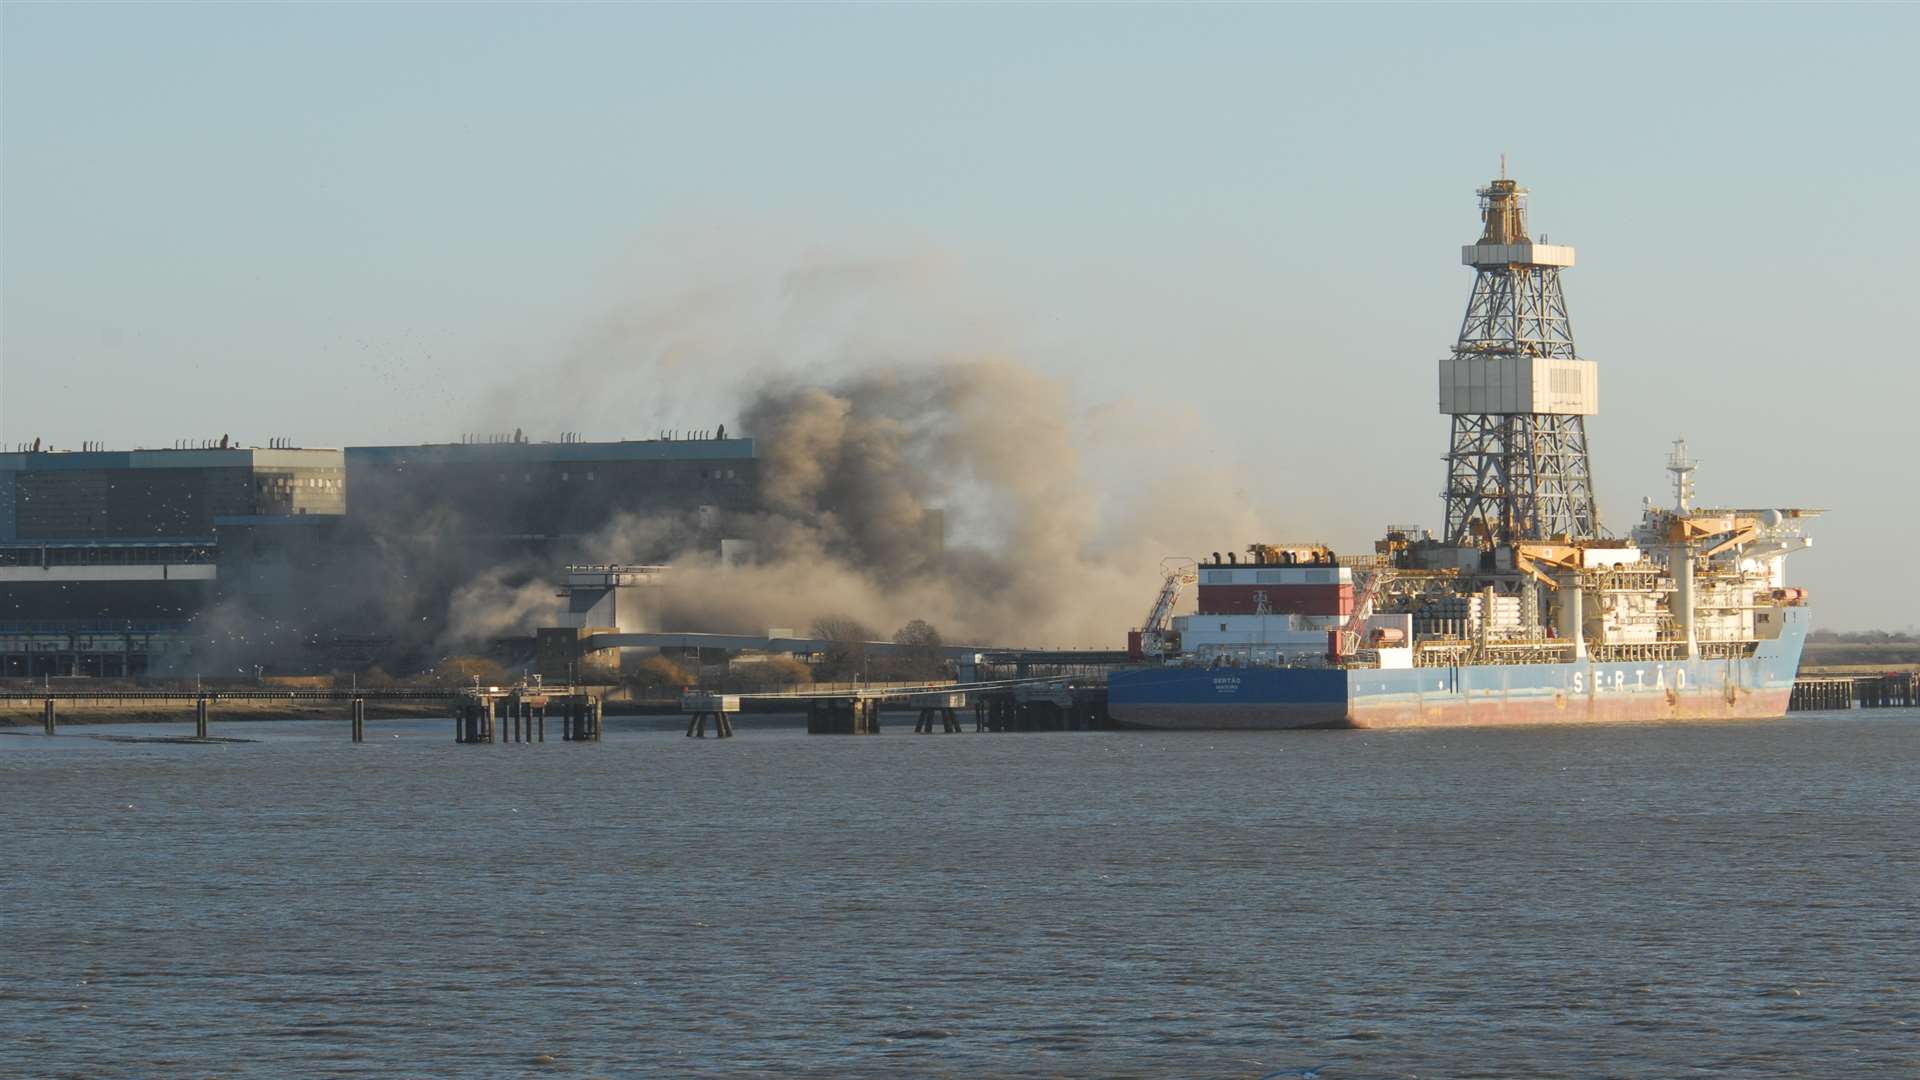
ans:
x=1633 y=901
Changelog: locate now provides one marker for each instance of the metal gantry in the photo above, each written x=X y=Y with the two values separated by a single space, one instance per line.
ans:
x=1517 y=470
x=1518 y=476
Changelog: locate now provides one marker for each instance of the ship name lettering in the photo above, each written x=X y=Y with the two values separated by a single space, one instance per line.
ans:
x=1579 y=682
x=1639 y=678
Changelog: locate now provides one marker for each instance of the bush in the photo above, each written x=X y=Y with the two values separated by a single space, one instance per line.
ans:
x=783 y=671
x=657 y=673
x=463 y=670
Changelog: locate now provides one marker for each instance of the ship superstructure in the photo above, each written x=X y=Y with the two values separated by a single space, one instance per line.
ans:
x=1521 y=611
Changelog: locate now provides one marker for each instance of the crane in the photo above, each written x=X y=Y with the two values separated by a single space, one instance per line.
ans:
x=1349 y=634
x=1153 y=639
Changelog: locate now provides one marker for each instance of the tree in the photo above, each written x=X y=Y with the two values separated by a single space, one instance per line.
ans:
x=845 y=659
x=920 y=656
x=465 y=669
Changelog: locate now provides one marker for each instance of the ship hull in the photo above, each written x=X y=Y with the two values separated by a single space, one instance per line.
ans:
x=1583 y=692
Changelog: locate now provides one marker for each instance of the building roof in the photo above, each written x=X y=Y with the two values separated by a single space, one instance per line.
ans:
x=239 y=457
x=518 y=453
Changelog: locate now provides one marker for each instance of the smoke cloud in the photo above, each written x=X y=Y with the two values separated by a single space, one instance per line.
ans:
x=954 y=492
x=911 y=466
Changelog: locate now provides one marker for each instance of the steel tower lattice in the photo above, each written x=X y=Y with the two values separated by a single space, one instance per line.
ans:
x=1517 y=390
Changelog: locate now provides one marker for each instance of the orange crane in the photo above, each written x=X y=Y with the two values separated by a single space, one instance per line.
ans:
x=1153 y=639
x=1349 y=634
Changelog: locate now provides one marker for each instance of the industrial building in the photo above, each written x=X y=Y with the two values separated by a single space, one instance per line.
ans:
x=133 y=561
x=557 y=489
x=106 y=556
x=135 y=495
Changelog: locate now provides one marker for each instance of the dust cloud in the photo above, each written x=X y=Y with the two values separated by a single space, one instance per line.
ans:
x=953 y=491
x=911 y=466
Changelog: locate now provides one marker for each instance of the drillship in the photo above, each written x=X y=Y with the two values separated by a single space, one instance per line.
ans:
x=1524 y=611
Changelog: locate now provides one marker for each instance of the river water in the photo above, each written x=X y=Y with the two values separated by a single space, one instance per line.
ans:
x=1626 y=901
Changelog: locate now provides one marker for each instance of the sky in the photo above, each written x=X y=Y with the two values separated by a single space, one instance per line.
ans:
x=1232 y=231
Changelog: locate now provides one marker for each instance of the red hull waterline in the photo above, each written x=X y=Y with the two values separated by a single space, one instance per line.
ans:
x=1735 y=703
x=1490 y=710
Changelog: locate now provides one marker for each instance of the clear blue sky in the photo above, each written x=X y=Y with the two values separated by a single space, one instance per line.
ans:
x=359 y=223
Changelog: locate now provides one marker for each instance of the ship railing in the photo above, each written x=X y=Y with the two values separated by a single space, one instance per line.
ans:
x=1460 y=653
x=1634 y=579
x=1467 y=653
x=1629 y=651
x=1528 y=652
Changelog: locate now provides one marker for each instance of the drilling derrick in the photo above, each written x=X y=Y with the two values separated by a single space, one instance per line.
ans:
x=1518 y=393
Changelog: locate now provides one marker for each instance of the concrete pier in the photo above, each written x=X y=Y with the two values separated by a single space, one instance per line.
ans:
x=701 y=707
x=518 y=714
x=851 y=715
x=941 y=707
x=1042 y=707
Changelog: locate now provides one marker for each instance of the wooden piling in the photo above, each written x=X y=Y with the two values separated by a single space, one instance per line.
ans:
x=473 y=721
x=359 y=714
x=47 y=716
x=1843 y=693
x=580 y=719
x=200 y=717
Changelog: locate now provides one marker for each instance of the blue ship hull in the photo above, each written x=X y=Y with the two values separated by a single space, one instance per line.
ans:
x=1585 y=691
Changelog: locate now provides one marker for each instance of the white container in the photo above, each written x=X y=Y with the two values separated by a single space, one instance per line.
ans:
x=1502 y=383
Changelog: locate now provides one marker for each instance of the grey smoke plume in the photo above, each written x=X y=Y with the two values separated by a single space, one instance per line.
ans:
x=909 y=469
x=861 y=476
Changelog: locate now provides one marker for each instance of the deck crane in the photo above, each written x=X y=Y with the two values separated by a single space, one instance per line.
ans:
x=1349 y=635
x=1153 y=638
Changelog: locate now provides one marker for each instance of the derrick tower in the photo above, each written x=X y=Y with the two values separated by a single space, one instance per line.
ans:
x=1518 y=393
